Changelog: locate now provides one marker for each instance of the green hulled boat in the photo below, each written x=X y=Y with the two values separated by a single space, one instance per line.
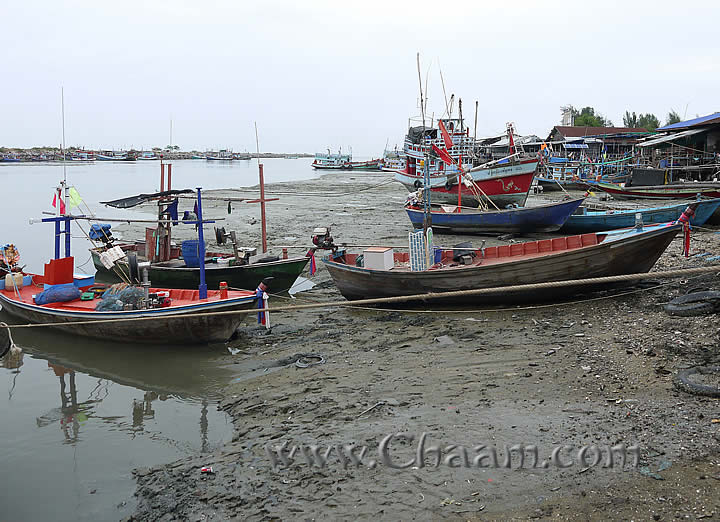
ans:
x=176 y=274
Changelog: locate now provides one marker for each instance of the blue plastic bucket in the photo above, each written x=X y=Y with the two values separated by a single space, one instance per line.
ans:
x=438 y=254
x=190 y=252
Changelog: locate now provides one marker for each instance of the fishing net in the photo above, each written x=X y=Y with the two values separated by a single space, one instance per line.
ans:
x=121 y=297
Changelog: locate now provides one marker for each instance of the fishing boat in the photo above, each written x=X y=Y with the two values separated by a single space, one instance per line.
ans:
x=115 y=156
x=373 y=164
x=687 y=190
x=179 y=323
x=559 y=259
x=505 y=181
x=541 y=218
x=196 y=156
x=241 y=156
x=220 y=267
x=10 y=158
x=223 y=155
x=147 y=156
x=175 y=267
x=330 y=161
x=394 y=160
x=136 y=313
x=585 y=220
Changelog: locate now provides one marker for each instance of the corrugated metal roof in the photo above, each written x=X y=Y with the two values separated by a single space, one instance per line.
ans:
x=579 y=132
x=704 y=120
x=671 y=137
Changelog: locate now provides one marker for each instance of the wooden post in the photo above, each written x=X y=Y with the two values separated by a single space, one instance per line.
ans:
x=262 y=202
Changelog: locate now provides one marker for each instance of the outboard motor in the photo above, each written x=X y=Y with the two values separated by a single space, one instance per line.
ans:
x=322 y=239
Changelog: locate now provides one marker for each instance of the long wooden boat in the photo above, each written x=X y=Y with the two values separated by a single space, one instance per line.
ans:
x=542 y=218
x=558 y=259
x=671 y=191
x=373 y=164
x=175 y=274
x=179 y=323
x=595 y=221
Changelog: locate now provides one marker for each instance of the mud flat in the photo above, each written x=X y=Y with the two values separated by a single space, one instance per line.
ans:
x=594 y=372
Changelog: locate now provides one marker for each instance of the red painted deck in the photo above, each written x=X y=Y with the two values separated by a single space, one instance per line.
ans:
x=502 y=254
x=179 y=297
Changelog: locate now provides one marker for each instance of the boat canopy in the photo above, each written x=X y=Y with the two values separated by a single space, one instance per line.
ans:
x=133 y=201
x=671 y=137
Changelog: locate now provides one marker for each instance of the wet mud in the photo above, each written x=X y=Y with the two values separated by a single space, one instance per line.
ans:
x=595 y=371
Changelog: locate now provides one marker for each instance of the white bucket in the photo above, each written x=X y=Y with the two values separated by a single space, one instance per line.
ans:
x=17 y=276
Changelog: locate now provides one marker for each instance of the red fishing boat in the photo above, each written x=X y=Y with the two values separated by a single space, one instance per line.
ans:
x=506 y=181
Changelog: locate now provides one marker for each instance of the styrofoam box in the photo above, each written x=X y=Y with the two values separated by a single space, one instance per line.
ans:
x=378 y=258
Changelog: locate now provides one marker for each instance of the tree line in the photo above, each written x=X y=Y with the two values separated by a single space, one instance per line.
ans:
x=587 y=117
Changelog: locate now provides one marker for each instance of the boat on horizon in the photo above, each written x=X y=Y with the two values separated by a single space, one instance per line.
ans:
x=222 y=155
x=331 y=161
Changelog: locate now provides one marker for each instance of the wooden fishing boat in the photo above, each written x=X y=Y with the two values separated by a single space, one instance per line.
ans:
x=180 y=323
x=174 y=273
x=594 y=221
x=559 y=259
x=542 y=218
x=671 y=191
x=373 y=164
x=505 y=182
x=223 y=155
x=330 y=161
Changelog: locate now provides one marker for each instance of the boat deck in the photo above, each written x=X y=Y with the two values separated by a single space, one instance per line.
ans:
x=496 y=254
x=180 y=298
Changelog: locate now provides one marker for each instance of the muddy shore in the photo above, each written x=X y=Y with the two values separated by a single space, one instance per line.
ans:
x=595 y=371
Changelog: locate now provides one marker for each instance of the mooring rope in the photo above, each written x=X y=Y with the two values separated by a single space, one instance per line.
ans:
x=406 y=298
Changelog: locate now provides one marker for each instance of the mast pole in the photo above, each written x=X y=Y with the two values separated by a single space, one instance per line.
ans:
x=202 y=289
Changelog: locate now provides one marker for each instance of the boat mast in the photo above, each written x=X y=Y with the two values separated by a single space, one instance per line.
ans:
x=427 y=219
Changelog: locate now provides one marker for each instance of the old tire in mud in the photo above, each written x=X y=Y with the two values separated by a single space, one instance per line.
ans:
x=684 y=382
x=696 y=303
x=5 y=342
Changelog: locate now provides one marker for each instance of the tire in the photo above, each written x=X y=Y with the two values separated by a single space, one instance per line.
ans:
x=696 y=303
x=5 y=343
x=683 y=381
x=417 y=184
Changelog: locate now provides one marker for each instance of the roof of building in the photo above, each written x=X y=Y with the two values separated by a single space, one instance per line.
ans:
x=579 y=132
x=704 y=120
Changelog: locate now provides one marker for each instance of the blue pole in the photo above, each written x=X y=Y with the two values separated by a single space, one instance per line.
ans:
x=201 y=247
x=67 y=237
x=57 y=239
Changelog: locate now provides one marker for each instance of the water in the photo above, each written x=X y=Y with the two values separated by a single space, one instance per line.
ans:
x=28 y=191
x=79 y=414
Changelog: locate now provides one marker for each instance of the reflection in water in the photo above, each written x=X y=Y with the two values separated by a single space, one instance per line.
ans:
x=81 y=414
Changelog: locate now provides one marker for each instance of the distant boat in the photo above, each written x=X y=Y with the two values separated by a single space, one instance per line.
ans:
x=10 y=159
x=393 y=160
x=542 y=218
x=331 y=161
x=595 y=221
x=148 y=156
x=196 y=156
x=223 y=155
x=241 y=156
x=115 y=156
x=373 y=164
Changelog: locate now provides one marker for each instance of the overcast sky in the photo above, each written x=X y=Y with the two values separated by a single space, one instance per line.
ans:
x=319 y=74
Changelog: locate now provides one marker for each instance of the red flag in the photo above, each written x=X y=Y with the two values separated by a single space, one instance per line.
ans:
x=443 y=155
x=445 y=135
x=512 y=142
x=62 y=203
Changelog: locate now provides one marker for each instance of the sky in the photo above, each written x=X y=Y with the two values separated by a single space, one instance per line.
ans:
x=326 y=74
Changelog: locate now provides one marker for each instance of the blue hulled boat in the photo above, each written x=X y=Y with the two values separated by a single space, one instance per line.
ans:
x=596 y=221
x=542 y=218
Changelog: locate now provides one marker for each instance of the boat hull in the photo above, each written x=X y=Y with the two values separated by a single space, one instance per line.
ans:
x=598 y=221
x=168 y=326
x=543 y=218
x=635 y=254
x=284 y=273
x=504 y=184
x=686 y=191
